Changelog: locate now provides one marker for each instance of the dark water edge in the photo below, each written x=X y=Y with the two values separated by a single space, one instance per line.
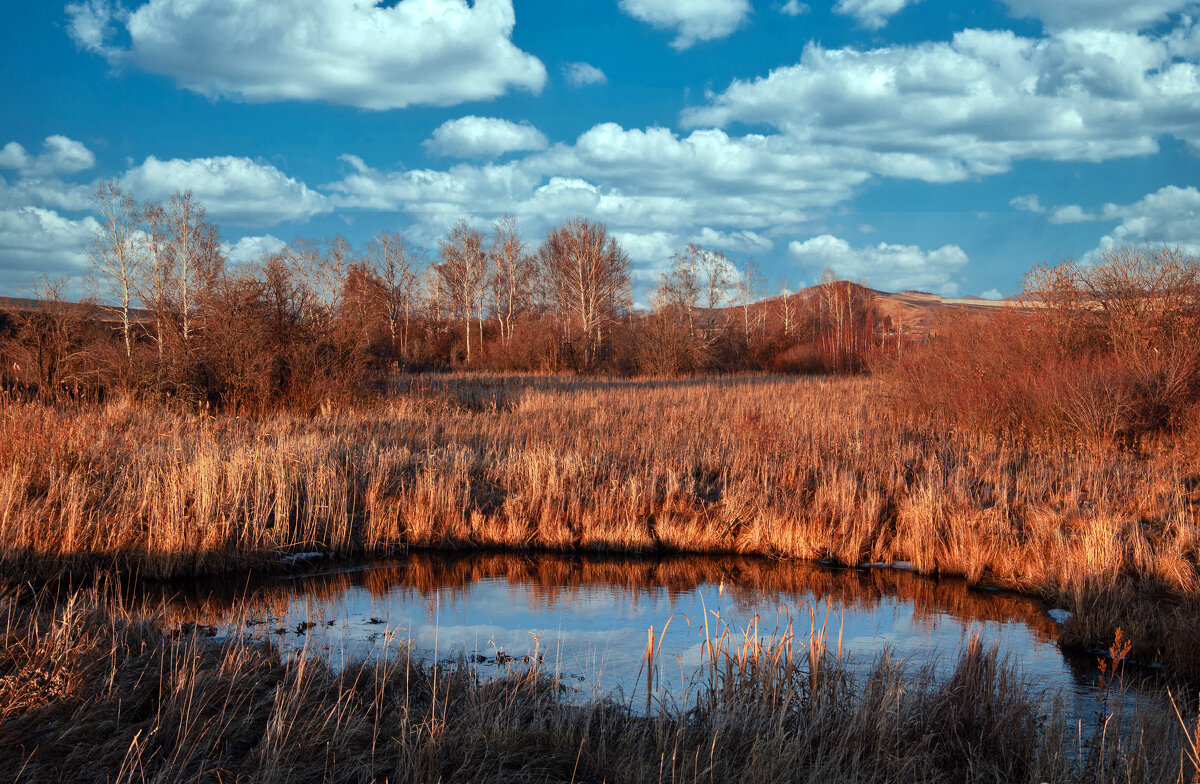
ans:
x=587 y=616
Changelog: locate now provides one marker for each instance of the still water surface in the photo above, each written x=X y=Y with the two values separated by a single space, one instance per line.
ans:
x=588 y=617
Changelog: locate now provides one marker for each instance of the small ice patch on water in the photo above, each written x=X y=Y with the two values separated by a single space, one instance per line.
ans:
x=295 y=558
x=1060 y=616
x=904 y=566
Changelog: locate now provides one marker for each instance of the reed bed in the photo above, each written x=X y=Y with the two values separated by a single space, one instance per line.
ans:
x=92 y=692
x=814 y=469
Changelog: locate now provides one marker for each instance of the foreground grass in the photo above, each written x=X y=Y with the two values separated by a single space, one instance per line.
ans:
x=89 y=692
x=812 y=469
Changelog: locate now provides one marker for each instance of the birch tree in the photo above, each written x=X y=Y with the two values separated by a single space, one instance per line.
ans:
x=749 y=288
x=394 y=262
x=156 y=272
x=719 y=278
x=194 y=250
x=513 y=272
x=787 y=308
x=118 y=255
x=587 y=276
x=462 y=273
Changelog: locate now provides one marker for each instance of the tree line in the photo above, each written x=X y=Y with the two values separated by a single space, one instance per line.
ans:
x=170 y=317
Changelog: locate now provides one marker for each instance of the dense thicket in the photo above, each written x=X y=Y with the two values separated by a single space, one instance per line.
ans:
x=318 y=322
x=1103 y=351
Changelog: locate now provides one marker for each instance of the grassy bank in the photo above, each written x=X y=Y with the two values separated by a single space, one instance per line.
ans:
x=89 y=692
x=810 y=469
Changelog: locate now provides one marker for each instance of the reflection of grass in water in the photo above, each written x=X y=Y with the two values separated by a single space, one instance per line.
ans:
x=91 y=692
x=547 y=580
x=806 y=469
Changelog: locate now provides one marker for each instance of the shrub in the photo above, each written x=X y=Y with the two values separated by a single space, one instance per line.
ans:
x=1105 y=351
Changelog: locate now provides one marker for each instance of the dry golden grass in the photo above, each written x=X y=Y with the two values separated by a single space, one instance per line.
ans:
x=90 y=692
x=809 y=469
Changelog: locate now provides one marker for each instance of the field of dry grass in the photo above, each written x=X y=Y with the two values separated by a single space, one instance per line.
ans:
x=92 y=692
x=794 y=468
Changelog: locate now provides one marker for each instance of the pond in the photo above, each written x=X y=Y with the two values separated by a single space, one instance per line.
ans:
x=588 y=618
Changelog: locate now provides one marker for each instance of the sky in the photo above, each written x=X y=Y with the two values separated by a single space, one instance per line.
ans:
x=933 y=145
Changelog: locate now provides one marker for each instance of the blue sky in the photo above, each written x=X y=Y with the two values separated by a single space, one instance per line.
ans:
x=934 y=145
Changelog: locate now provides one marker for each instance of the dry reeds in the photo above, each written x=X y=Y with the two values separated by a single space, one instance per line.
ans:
x=130 y=703
x=810 y=469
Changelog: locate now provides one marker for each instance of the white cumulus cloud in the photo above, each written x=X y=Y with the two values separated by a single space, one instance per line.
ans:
x=45 y=192
x=1169 y=216
x=252 y=248
x=484 y=137
x=36 y=241
x=59 y=155
x=883 y=266
x=1071 y=213
x=238 y=190
x=365 y=54
x=1030 y=202
x=693 y=21
x=741 y=241
x=582 y=74
x=653 y=247
x=654 y=188
x=1131 y=15
x=737 y=192
x=945 y=111
x=871 y=14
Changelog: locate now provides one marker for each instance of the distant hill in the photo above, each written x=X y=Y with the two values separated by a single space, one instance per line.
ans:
x=912 y=309
x=915 y=309
x=85 y=309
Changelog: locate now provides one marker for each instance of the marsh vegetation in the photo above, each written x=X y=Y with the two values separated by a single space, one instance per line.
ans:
x=95 y=692
x=201 y=419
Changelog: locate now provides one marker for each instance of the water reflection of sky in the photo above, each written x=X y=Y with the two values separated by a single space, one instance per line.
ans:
x=594 y=633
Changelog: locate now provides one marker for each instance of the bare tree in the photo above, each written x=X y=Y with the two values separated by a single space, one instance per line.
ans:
x=303 y=261
x=680 y=287
x=279 y=290
x=749 y=287
x=432 y=295
x=513 y=272
x=1146 y=298
x=846 y=320
x=156 y=278
x=587 y=274
x=361 y=307
x=462 y=273
x=117 y=255
x=335 y=265
x=394 y=262
x=787 y=307
x=1142 y=305
x=49 y=340
x=718 y=274
x=669 y=342
x=195 y=258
